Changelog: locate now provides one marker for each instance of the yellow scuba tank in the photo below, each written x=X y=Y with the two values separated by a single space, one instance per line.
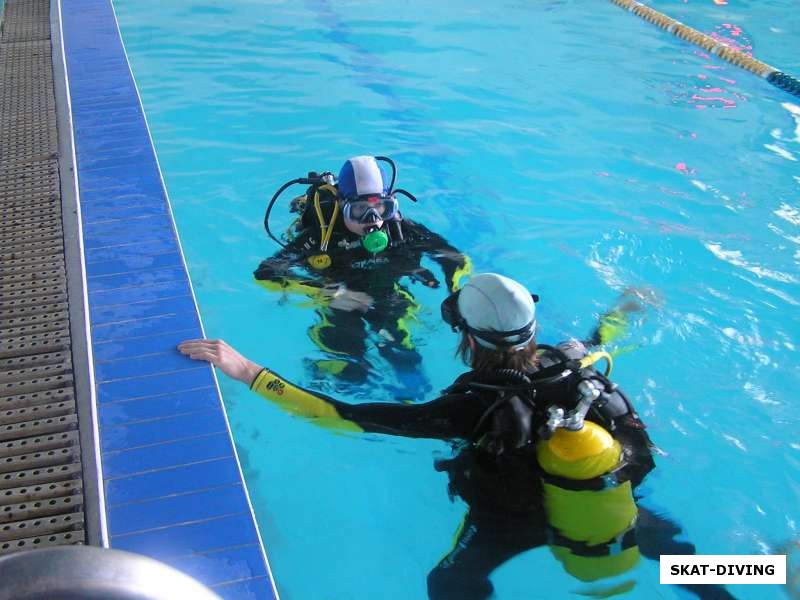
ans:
x=591 y=515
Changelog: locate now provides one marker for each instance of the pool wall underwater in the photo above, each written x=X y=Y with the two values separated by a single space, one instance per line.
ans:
x=172 y=481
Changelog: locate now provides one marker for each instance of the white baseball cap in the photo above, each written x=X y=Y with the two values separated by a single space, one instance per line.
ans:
x=498 y=311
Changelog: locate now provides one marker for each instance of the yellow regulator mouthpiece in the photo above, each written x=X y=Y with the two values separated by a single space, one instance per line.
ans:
x=584 y=454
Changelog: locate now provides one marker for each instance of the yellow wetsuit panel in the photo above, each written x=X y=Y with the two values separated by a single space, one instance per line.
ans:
x=460 y=273
x=613 y=326
x=288 y=285
x=296 y=400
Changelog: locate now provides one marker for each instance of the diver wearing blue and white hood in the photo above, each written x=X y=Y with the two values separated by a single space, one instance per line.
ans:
x=355 y=254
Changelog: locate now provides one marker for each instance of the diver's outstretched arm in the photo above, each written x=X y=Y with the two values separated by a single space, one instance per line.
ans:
x=289 y=397
x=449 y=417
x=277 y=271
x=455 y=264
x=276 y=274
x=614 y=323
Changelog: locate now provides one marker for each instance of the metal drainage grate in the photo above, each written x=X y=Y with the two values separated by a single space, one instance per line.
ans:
x=41 y=486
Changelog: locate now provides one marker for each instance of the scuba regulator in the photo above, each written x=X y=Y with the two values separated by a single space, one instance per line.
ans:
x=374 y=240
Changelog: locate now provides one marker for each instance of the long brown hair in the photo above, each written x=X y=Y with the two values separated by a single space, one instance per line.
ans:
x=480 y=358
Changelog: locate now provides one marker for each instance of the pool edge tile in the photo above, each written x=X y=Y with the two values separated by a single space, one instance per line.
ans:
x=105 y=106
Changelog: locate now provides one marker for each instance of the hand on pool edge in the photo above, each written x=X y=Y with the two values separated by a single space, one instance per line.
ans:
x=222 y=356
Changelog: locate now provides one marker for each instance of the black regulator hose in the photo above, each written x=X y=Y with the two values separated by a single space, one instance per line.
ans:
x=272 y=203
x=408 y=195
x=503 y=380
x=310 y=180
x=386 y=159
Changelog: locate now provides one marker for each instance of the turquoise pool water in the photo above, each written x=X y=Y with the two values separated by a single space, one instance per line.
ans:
x=584 y=151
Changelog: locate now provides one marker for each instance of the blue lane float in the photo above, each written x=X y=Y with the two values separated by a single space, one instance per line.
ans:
x=736 y=57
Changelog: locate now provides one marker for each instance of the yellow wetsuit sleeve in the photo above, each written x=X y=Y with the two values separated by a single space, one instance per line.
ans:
x=465 y=270
x=296 y=286
x=613 y=326
x=298 y=401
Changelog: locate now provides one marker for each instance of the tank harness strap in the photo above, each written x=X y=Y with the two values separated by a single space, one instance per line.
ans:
x=558 y=370
x=520 y=383
x=608 y=481
x=587 y=361
x=626 y=539
x=554 y=373
x=476 y=431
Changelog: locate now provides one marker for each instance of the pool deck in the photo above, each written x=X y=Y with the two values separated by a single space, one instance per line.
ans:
x=100 y=281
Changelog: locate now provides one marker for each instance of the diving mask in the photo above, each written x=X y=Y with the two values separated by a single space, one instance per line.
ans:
x=370 y=209
x=365 y=215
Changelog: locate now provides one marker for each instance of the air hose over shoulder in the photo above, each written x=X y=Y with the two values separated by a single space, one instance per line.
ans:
x=314 y=179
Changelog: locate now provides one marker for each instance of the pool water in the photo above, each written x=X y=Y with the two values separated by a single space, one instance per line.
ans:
x=579 y=151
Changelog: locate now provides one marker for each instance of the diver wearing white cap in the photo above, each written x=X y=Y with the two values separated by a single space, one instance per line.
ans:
x=497 y=312
x=537 y=428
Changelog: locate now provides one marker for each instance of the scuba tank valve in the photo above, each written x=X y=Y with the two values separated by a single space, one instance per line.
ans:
x=589 y=391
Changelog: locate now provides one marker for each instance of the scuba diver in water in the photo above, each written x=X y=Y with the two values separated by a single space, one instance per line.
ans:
x=352 y=251
x=548 y=449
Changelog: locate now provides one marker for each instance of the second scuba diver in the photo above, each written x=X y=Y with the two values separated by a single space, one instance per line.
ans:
x=352 y=251
x=548 y=449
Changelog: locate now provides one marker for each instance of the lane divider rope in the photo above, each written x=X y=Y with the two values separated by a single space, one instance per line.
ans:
x=706 y=42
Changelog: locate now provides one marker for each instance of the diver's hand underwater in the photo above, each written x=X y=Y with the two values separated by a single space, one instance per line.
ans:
x=347 y=300
x=222 y=356
x=637 y=299
x=425 y=277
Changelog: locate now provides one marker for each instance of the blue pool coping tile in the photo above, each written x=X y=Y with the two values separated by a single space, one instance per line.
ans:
x=193 y=507
x=172 y=481
x=134 y=347
x=226 y=566
x=135 y=461
x=189 y=539
x=253 y=588
x=162 y=430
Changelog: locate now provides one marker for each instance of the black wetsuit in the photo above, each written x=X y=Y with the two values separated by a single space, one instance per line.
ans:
x=504 y=491
x=385 y=277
